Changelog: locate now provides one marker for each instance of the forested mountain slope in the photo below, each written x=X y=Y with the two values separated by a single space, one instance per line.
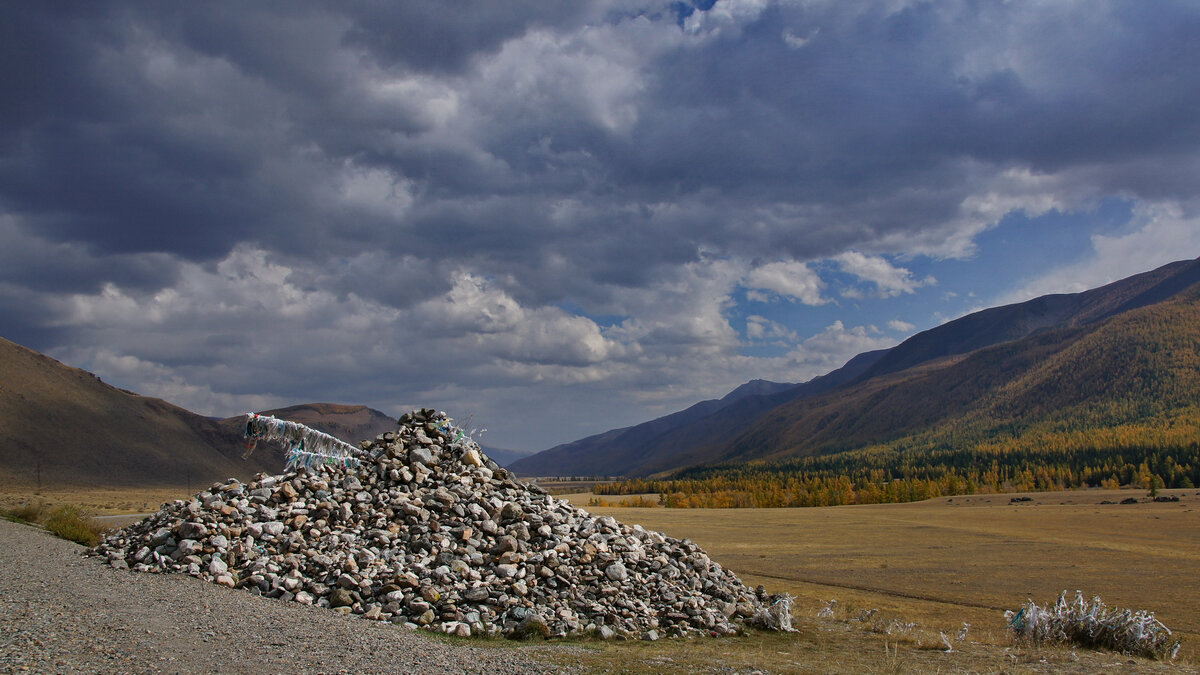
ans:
x=1113 y=403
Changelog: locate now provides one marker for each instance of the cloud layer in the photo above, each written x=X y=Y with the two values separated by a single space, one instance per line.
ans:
x=561 y=219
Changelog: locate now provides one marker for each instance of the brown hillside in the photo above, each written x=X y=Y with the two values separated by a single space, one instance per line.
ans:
x=64 y=426
x=879 y=396
x=1133 y=367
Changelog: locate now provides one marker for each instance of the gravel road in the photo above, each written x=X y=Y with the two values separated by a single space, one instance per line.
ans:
x=63 y=613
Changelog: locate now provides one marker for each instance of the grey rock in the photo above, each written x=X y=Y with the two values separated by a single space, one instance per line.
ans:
x=533 y=625
x=477 y=594
x=512 y=511
x=420 y=456
x=187 y=547
x=616 y=572
x=192 y=530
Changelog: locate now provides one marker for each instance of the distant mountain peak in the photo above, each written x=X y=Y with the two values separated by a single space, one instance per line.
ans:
x=756 y=387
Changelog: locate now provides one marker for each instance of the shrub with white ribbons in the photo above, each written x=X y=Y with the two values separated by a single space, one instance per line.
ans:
x=1094 y=625
x=306 y=446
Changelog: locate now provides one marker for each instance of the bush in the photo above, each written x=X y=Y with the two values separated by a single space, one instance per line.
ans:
x=1094 y=625
x=71 y=522
x=26 y=513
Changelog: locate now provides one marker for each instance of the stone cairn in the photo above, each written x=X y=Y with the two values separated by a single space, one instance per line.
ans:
x=424 y=530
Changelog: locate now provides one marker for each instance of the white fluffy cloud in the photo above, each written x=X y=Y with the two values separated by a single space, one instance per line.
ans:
x=762 y=328
x=790 y=279
x=271 y=324
x=832 y=347
x=888 y=280
x=1157 y=234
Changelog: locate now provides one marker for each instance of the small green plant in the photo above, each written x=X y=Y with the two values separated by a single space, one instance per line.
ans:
x=1156 y=484
x=71 y=522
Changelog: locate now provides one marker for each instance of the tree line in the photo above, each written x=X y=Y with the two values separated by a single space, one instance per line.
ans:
x=899 y=472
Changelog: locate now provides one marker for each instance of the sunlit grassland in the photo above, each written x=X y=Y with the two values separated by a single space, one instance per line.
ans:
x=944 y=562
x=100 y=501
x=927 y=567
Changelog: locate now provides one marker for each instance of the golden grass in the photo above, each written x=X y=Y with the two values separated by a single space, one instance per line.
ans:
x=73 y=523
x=69 y=521
x=25 y=512
x=99 y=501
x=838 y=647
x=629 y=501
x=939 y=564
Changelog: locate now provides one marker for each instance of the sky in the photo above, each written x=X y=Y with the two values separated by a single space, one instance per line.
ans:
x=555 y=219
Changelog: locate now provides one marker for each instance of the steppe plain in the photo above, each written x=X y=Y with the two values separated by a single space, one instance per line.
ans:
x=926 y=567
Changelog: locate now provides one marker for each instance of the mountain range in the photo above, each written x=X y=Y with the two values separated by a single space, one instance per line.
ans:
x=1123 y=347
x=63 y=427
x=1122 y=357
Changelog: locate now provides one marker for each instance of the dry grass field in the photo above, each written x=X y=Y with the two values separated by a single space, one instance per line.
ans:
x=935 y=564
x=98 y=501
x=947 y=561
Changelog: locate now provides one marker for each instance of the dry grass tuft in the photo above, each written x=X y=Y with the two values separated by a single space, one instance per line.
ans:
x=27 y=512
x=73 y=523
x=69 y=521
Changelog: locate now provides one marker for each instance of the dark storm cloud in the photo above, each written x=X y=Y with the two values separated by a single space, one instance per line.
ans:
x=159 y=128
x=445 y=177
x=878 y=104
x=431 y=36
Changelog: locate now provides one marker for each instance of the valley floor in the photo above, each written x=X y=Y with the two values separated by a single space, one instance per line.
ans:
x=951 y=560
x=926 y=567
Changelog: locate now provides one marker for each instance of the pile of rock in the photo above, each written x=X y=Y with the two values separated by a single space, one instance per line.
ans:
x=426 y=531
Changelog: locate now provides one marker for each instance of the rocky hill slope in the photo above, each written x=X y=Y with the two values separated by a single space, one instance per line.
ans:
x=63 y=427
x=650 y=446
x=1119 y=365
